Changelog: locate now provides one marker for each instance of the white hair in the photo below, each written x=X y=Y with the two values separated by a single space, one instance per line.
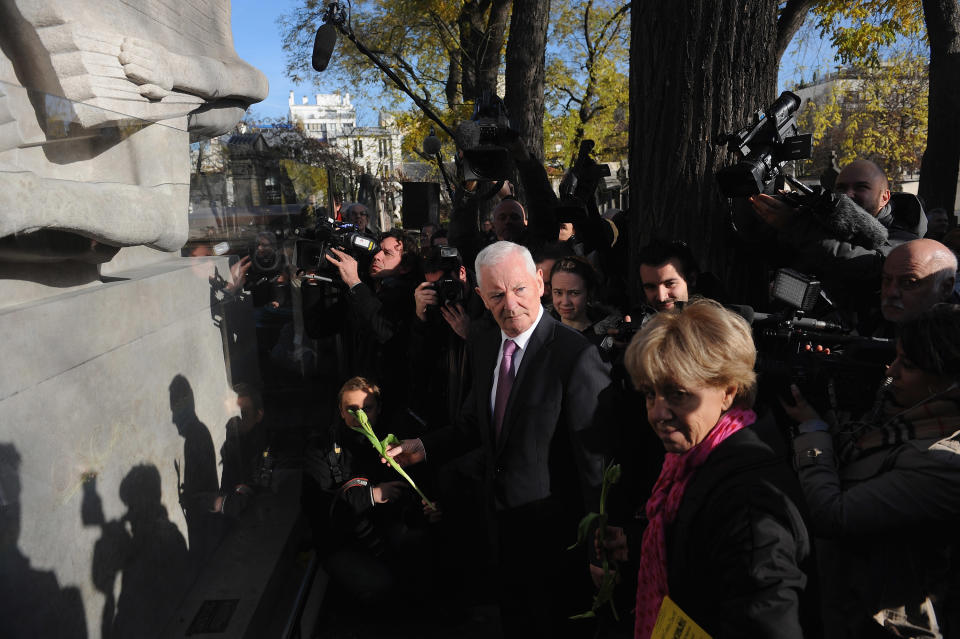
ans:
x=499 y=251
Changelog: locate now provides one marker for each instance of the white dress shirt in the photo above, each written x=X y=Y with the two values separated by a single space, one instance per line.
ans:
x=521 y=341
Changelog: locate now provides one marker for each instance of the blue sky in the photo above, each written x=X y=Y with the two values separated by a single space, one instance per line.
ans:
x=256 y=38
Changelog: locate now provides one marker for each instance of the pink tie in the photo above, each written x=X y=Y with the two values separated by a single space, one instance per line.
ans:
x=504 y=384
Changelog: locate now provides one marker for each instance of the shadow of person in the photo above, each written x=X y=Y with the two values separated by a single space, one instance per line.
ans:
x=32 y=604
x=198 y=474
x=146 y=548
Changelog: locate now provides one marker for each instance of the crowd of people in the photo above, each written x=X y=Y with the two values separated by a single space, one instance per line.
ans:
x=504 y=353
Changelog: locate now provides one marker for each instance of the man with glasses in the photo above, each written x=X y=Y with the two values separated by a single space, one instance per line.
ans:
x=358 y=215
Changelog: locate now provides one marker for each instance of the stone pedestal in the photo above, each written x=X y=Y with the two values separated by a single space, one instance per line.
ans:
x=85 y=400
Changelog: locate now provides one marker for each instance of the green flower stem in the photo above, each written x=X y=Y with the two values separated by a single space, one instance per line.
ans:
x=611 y=475
x=381 y=447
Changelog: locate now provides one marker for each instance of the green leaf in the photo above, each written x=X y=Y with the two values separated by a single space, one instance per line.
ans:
x=388 y=440
x=381 y=447
x=590 y=614
x=584 y=528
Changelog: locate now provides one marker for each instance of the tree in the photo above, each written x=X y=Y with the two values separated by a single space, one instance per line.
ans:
x=862 y=29
x=526 y=50
x=941 y=160
x=697 y=71
x=877 y=113
x=443 y=48
x=587 y=79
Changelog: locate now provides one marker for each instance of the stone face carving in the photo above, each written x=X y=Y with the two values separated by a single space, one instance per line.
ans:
x=99 y=100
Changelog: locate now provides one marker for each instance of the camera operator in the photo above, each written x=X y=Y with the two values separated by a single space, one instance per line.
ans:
x=832 y=248
x=374 y=317
x=446 y=306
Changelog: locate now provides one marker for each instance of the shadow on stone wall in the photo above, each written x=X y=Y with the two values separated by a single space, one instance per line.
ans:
x=32 y=603
x=145 y=548
x=197 y=475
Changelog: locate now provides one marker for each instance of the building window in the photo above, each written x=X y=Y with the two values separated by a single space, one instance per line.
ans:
x=357 y=148
x=383 y=147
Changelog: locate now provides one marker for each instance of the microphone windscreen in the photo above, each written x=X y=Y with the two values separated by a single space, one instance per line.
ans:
x=323 y=45
x=431 y=145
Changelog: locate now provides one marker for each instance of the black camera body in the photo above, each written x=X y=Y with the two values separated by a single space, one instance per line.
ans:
x=483 y=141
x=313 y=245
x=579 y=185
x=449 y=288
x=834 y=368
x=764 y=145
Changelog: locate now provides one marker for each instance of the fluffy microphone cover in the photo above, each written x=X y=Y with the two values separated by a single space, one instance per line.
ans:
x=847 y=222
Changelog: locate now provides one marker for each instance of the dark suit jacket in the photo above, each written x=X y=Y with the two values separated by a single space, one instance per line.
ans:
x=551 y=447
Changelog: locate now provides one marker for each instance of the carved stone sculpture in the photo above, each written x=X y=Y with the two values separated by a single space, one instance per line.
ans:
x=99 y=100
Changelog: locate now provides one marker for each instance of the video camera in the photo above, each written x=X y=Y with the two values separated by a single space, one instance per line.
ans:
x=313 y=245
x=833 y=368
x=483 y=141
x=764 y=145
x=578 y=188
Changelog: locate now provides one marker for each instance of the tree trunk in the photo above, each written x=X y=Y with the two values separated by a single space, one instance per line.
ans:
x=483 y=27
x=698 y=70
x=941 y=160
x=525 y=71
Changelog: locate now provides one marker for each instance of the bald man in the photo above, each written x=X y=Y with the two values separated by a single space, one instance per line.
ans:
x=509 y=221
x=916 y=275
x=831 y=246
x=866 y=184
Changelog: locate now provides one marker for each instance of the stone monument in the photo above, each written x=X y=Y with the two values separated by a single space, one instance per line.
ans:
x=100 y=319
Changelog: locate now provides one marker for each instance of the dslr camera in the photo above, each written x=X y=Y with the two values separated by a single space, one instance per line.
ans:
x=449 y=288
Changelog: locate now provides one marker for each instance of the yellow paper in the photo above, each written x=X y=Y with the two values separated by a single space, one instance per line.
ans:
x=673 y=623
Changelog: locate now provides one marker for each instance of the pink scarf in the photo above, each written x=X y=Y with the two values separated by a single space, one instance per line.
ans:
x=662 y=508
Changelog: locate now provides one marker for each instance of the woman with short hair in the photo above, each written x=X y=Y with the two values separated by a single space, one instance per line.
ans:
x=724 y=538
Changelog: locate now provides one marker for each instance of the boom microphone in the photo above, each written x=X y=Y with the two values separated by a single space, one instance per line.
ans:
x=323 y=45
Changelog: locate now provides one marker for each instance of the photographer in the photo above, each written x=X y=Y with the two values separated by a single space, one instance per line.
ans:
x=374 y=318
x=446 y=306
x=267 y=279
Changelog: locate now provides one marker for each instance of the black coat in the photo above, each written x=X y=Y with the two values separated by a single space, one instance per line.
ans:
x=551 y=446
x=738 y=552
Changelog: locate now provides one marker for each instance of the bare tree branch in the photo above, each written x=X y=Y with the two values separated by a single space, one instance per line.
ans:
x=791 y=18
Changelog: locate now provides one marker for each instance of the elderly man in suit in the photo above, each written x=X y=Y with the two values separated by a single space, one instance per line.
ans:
x=533 y=410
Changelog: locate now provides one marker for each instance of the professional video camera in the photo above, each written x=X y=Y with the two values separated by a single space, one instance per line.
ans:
x=314 y=244
x=833 y=368
x=483 y=141
x=764 y=145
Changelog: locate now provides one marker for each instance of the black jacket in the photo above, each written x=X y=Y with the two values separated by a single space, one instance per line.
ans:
x=738 y=552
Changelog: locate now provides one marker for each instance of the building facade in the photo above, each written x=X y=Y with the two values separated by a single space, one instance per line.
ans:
x=333 y=118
